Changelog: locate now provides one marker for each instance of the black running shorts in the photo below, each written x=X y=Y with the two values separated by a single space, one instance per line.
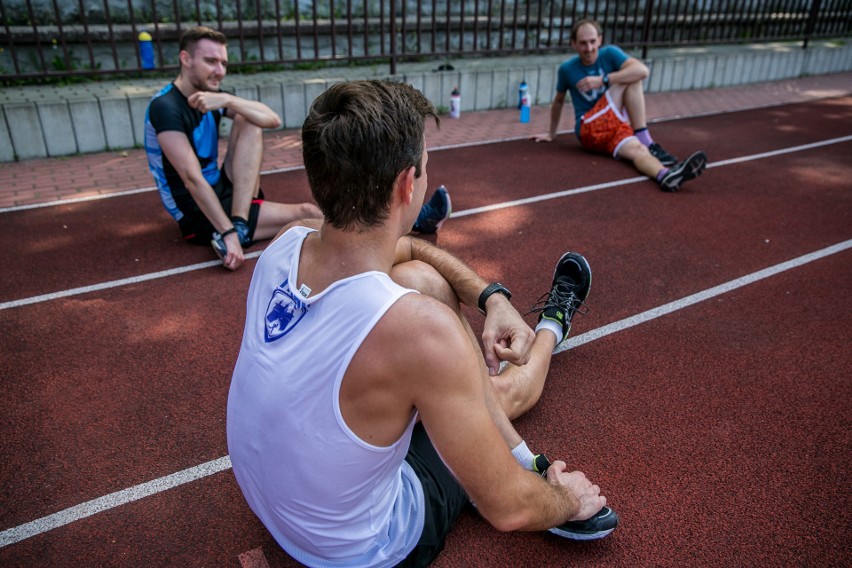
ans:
x=443 y=496
x=195 y=226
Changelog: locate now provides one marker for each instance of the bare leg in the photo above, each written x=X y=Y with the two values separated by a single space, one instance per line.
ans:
x=510 y=393
x=273 y=216
x=643 y=160
x=242 y=164
x=634 y=102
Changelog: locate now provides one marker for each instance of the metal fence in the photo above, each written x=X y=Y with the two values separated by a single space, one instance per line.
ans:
x=44 y=39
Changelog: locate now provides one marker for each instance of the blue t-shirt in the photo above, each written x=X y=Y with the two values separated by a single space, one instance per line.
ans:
x=610 y=59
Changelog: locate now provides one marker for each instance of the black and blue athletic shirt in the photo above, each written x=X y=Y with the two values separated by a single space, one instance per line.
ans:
x=170 y=110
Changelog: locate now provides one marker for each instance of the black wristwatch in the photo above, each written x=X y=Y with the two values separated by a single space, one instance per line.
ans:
x=605 y=80
x=494 y=287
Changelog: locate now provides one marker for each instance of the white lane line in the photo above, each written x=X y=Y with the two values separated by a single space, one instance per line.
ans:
x=115 y=283
x=687 y=301
x=113 y=500
x=432 y=149
x=98 y=197
x=89 y=508
x=780 y=152
x=463 y=213
x=545 y=197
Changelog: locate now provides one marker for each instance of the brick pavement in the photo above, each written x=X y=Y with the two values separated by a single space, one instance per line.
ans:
x=50 y=180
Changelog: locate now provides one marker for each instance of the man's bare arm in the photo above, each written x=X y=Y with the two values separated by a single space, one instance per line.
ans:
x=254 y=111
x=506 y=336
x=447 y=389
x=555 y=115
x=180 y=154
x=631 y=71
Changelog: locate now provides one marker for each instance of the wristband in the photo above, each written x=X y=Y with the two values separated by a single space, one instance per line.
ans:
x=228 y=232
x=494 y=287
x=605 y=80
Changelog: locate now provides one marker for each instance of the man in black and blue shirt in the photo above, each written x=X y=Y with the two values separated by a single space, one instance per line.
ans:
x=223 y=206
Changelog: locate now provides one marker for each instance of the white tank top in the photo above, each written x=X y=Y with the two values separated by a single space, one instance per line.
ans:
x=328 y=497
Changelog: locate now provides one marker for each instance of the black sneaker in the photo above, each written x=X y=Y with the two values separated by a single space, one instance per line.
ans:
x=598 y=526
x=665 y=158
x=572 y=280
x=434 y=212
x=688 y=169
x=540 y=464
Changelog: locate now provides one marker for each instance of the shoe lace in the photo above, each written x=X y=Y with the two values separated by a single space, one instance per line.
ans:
x=561 y=296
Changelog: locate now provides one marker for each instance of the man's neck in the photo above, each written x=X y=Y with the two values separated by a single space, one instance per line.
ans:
x=332 y=255
x=184 y=86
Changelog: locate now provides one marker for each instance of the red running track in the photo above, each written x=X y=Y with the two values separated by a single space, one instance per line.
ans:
x=720 y=430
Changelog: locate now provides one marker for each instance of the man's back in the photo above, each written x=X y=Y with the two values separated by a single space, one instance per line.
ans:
x=321 y=491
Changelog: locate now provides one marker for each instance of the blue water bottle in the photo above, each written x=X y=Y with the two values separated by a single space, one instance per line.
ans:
x=146 y=50
x=524 y=102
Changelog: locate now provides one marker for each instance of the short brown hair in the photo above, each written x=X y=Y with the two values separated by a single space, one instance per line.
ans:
x=193 y=35
x=580 y=23
x=356 y=140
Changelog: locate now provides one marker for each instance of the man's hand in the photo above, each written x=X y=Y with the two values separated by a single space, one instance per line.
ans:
x=590 y=83
x=543 y=138
x=506 y=336
x=588 y=495
x=205 y=101
x=235 y=256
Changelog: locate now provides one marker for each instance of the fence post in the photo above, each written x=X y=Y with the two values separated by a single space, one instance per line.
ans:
x=809 y=28
x=393 y=37
x=646 y=27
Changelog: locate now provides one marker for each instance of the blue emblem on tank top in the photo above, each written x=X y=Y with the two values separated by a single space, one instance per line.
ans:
x=283 y=313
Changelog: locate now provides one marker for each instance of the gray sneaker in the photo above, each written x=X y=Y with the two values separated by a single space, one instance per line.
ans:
x=690 y=168
x=664 y=157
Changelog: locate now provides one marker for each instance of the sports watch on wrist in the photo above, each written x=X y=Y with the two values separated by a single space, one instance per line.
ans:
x=494 y=287
x=605 y=80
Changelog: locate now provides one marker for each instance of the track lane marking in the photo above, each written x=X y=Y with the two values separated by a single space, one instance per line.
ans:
x=113 y=500
x=118 y=498
x=117 y=283
x=286 y=169
x=464 y=213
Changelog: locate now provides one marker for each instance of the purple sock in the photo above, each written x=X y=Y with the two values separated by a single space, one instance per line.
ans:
x=644 y=136
x=662 y=173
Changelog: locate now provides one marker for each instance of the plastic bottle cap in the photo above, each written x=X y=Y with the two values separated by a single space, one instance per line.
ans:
x=145 y=36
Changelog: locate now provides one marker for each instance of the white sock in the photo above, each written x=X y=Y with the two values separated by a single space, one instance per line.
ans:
x=523 y=455
x=550 y=325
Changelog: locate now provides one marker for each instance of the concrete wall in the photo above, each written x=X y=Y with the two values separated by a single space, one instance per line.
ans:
x=38 y=122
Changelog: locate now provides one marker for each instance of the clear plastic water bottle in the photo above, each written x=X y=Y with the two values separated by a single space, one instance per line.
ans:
x=524 y=101
x=146 y=50
x=455 y=103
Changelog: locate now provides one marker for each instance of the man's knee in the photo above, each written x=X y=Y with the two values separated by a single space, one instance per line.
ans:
x=243 y=131
x=513 y=398
x=425 y=279
x=632 y=150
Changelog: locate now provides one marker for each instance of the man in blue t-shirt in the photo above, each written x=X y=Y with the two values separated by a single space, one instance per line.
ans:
x=609 y=105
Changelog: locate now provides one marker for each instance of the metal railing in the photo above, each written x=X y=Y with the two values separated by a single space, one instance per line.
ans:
x=51 y=39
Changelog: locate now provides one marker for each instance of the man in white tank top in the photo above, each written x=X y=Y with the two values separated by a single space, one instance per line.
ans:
x=362 y=415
